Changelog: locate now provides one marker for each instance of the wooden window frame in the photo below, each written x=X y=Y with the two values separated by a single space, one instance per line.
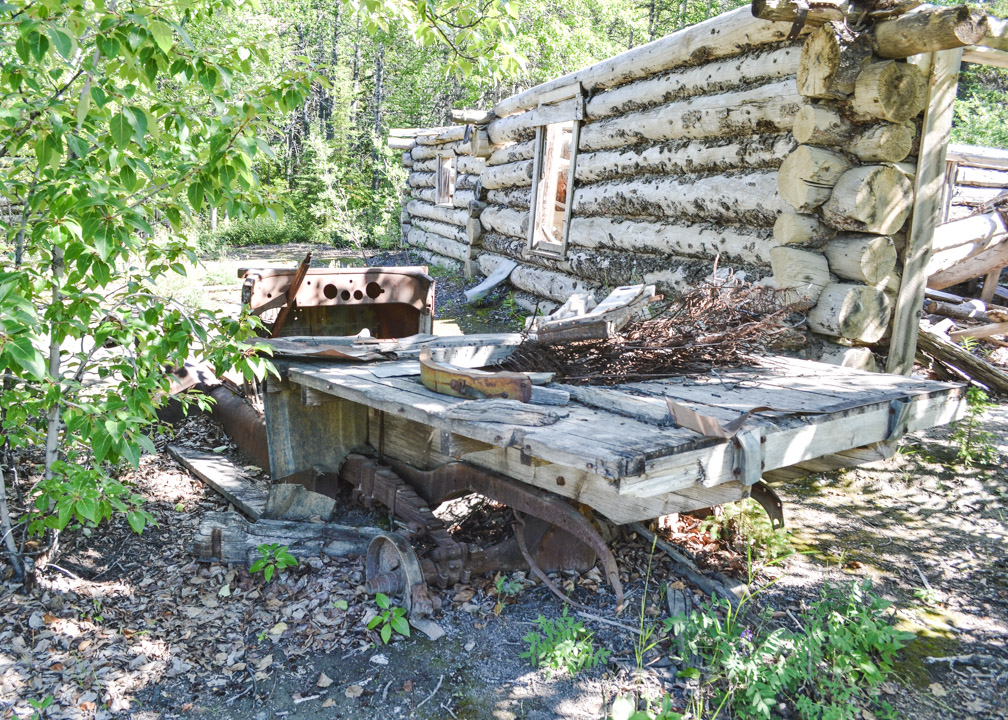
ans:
x=444 y=181
x=568 y=107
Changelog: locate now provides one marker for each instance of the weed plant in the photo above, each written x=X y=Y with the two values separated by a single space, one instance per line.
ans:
x=389 y=618
x=974 y=445
x=746 y=521
x=274 y=557
x=563 y=644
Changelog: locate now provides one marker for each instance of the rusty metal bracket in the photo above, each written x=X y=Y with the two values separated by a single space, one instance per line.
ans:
x=750 y=450
x=473 y=384
x=899 y=418
x=771 y=502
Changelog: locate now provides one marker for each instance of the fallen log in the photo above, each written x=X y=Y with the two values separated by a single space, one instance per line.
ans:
x=969 y=310
x=983 y=331
x=962 y=361
x=994 y=257
x=541 y=283
x=855 y=312
x=230 y=538
x=499 y=275
x=928 y=30
x=807 y=176
x=831 y=60
x=889 y=90
x=871 y=198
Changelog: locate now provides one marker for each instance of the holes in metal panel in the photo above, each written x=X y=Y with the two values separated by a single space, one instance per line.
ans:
x=330 y=291
x=373 y=290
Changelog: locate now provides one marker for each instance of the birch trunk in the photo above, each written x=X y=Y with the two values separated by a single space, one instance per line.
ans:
x=874 y=199
x=439 y=244
x=831 y=59
x=891 y=91
x=930 y=30
x=865 y=258
x=804 y=273
x=512 y=153
x=807 y=176
x=856 y=312
x=518 y=174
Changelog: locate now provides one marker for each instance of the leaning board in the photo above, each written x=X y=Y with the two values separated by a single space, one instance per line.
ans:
x=615 y=448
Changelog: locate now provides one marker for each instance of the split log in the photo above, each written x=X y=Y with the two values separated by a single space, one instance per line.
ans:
x=542 y=283
x=929 y=30
x=735 y=243
x=726 y=35
x=856 y=312
x=885 y=142
x=473 y=231
x=398 y=143
x=807 y=176
x=792 y=229
x=505 y=221
x=479 y=144
x=518 y=174
x=891 y=91
x=872 y=198
x=963 y=361
x=421 y=179
x=517 y=198
x=447 y=135
x=462 y=198
x=982 y=177
x=746 y=198
x=512 y=153
x=439 y=244
x=468 y=165
x=471 y=117
x=865 y=258
x=787 y=10
x=230 y=538
x=707 y=116
x=706 y=79
x=803 y=272
x=441 y=213
x=452 y=232
x=832 y=58
x=753 y=152
x=426 y=152
x=981 y=263
x=976 y=229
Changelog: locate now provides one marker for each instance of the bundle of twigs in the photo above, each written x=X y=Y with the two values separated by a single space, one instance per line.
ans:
x=714 y=325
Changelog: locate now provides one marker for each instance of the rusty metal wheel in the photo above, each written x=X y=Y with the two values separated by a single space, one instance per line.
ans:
x=392 y=568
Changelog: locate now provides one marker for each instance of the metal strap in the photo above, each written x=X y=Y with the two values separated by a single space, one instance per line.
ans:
x=750 y=446
x=801 y=14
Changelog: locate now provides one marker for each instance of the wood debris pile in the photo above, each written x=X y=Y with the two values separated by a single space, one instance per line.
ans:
x=713 y=325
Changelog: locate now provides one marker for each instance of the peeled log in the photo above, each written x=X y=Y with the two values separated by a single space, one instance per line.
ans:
x=479 y=144
x=983 y=263
x=865 y=258
x=803 y=272
x=872 y=198
x=735 y=243
x=882 y=143
x=708 y=116
x=787 y=10
x=929 y=30
x=705 y=79
x=512 y=153
x=452 y=232
x=505 y=221
x=680 y=157
x=420 y=180
x=794 y=229
x=426 y=152
x=439 y=244
x=399 y=143
x=518 y=174
x=462 y=198
x=453 y=216
x=518 y=198
x=806 y=177
x=885 y=142
x=891 y=91
x=447 y=135
x=543 y=283
x=466 y=116
x=468 y=165
x=744 y=198
x=831 y=60
x=856 y=312
x=968 y=231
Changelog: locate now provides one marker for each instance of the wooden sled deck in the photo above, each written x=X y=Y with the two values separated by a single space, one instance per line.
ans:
x=614 y=449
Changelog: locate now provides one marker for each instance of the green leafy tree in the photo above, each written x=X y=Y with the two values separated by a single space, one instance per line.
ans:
x=115 y=128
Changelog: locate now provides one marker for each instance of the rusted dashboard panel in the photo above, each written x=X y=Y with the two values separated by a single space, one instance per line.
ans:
x=390 y=302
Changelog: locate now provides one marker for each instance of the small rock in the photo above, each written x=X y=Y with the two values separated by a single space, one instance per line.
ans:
x=354 y=691
x=324 y=681
x=379 y=659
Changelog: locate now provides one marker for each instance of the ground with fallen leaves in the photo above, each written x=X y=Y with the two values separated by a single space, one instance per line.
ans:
x=122 y=625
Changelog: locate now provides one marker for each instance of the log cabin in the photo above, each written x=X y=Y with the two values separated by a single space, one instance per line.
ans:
x=802 y=146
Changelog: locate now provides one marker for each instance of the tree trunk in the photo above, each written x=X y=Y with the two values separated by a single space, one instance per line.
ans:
x=831 y=60
x=856 y=312
x=929 y=30
x=891 y=91
x=803 y=272
x=807 y=176
x=871 y=198
x=864 y=258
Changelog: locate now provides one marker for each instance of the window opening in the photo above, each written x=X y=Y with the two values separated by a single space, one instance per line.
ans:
x=444 y=180
x=551 y=203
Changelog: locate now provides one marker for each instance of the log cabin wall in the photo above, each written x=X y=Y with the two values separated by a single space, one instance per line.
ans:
x=787 y=150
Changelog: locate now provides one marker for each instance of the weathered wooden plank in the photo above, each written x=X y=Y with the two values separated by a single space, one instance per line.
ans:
x=224 y=477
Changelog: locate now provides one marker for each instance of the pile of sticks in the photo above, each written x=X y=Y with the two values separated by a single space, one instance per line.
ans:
x=714 y=325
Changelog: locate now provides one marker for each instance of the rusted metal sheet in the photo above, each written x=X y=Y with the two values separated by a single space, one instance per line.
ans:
x=291 y=295
x=388 y=302
x=473 y=384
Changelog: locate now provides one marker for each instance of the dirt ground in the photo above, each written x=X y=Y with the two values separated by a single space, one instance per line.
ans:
x=131 y=626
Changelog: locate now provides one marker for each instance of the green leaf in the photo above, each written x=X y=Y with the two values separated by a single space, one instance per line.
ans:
x=386 y=633
x=132 y=453
x=341 y=604
x=27 y=356
x=162 y=35
x=268 y=572
x=87 y=508
x=137 y=520
x=382 y=601
x=63 y=43
x=121 y=129
x=374 y=622
x=400 y=625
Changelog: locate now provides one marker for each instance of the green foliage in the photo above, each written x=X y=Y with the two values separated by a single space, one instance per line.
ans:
x=981 y=117
x=274 y=557
x=563 y=644
x=507 y=589
x=390 y=617
x=115 y=127
x=747 y=523
x=974 y=445
x=846 y=644
x=39 y=706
